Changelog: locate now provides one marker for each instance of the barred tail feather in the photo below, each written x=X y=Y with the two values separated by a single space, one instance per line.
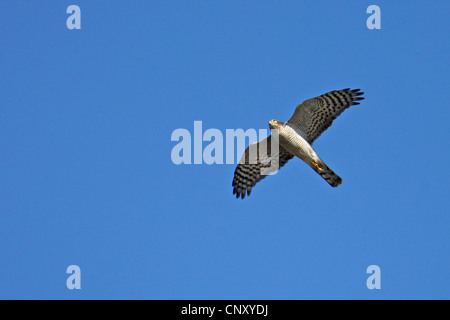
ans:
x=325 y=172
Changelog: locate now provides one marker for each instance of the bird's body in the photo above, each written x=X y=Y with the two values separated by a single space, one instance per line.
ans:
x=294 y=143
x=295 y=138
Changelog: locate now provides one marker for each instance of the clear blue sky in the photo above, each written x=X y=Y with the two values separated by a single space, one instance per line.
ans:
x=86 y=176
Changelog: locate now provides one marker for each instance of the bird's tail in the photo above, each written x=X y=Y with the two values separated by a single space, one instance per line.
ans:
x=322 y=169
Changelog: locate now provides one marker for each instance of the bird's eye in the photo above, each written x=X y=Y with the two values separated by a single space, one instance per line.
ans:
x=275 y=121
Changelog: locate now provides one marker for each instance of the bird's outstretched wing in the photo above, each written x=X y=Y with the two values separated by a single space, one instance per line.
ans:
x=312 y=117
x=258 y=161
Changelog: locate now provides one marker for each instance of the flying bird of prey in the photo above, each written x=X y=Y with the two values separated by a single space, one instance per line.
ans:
x=295 y=138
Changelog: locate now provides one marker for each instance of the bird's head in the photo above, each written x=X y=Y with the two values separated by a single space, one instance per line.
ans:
x=275 y=124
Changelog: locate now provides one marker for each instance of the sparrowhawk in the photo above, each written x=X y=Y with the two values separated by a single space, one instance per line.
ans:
x=295 y=139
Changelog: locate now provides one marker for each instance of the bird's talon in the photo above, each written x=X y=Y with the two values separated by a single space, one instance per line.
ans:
x=316 y=165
